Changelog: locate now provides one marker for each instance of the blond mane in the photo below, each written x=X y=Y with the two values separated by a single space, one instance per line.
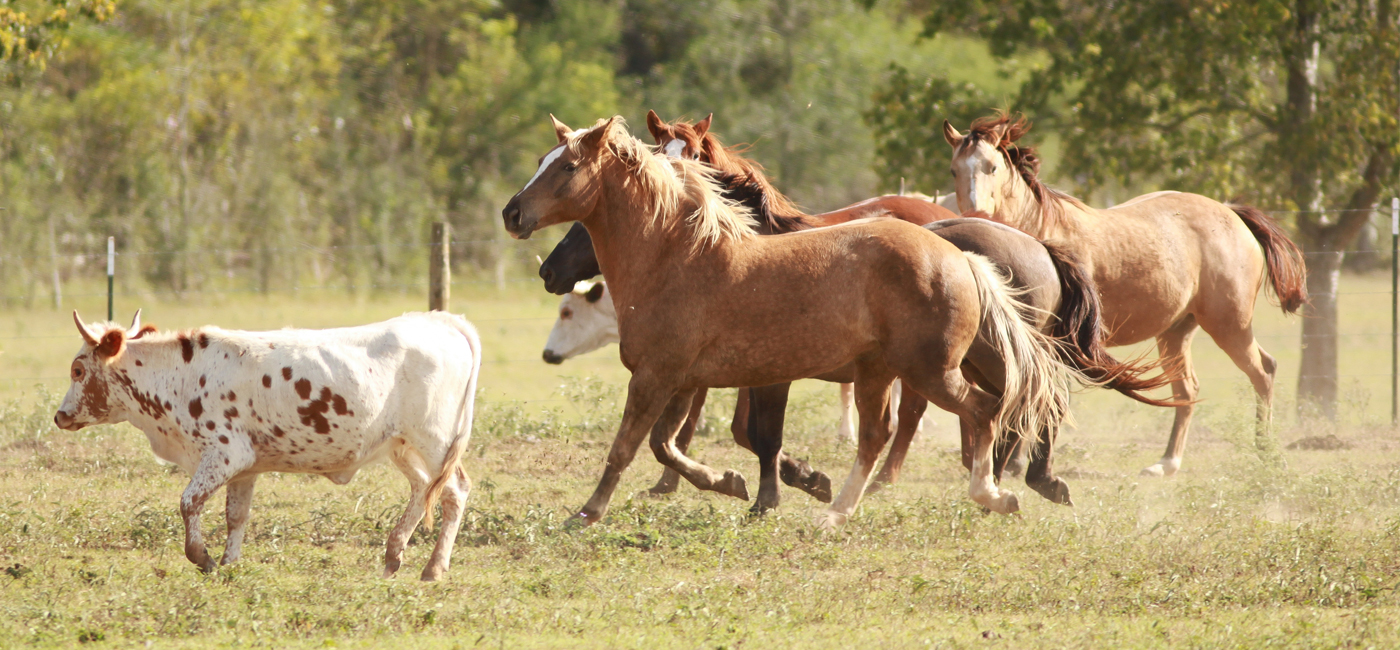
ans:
x=669 y=185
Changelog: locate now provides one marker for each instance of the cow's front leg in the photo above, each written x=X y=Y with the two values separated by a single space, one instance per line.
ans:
x=239 y=505
x=215 y=469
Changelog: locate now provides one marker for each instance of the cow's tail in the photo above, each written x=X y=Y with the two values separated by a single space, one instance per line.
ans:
x=452 y=464
x=1035 y=397
x=1287 y=272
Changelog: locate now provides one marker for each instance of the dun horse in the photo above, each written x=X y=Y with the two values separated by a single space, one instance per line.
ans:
x=1165 y=263
x=703 y=302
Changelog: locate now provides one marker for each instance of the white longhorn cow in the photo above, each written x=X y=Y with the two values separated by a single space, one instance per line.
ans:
x=227 y=406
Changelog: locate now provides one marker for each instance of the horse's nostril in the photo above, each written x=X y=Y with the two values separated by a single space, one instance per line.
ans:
x=547 y=274
x=511 y=214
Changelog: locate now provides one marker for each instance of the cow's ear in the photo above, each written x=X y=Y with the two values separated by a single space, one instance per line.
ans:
x=595 y=292
x=145 y=329
x=112 y=344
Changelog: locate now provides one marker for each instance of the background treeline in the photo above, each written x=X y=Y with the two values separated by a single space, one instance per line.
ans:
x=263 y=145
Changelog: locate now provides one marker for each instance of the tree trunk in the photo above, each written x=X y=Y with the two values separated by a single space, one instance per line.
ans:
x=1317 y=381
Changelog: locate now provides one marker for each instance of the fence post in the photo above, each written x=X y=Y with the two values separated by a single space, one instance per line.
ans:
x=1394 y=309
x=111 y=271
x=439 y=267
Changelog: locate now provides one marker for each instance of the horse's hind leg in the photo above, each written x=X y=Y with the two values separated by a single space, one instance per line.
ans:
x=1239 y=342
x=793 y=472
x=663 y=445
x=1175 y=343
x=1040 y=474
x=873 y=402
x=911 y=413
x=669 y=478
x=846 y=431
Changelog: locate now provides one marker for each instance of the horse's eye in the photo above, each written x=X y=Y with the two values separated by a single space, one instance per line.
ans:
x=568 y=167
x=695 y=156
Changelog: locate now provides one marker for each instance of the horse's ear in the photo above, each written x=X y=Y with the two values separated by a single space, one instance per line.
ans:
x=561 y=129
x=598 y=134
x=951 y=134
x=595 y=292
x=656 y=126
x=999 y=134
x=703 y=126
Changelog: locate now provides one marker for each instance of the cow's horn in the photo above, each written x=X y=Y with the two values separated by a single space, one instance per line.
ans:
x=83 y=329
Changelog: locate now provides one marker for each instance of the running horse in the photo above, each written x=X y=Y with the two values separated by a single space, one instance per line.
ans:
x=1165 y=263
x=1047 y=278
x=702 y=301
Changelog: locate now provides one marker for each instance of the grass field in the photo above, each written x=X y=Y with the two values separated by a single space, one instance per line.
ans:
x=1243 y=548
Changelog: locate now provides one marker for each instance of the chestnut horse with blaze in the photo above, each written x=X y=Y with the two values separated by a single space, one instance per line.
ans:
x=704 y=302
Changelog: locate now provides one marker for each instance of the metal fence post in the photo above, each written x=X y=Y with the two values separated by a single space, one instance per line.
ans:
x=111 y=272
x=439 y=267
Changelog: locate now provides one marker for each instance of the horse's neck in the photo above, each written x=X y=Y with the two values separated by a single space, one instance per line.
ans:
x=1020 y=209
x=633 y=248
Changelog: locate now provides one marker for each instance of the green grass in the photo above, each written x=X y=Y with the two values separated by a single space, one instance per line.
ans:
x=1243 y=548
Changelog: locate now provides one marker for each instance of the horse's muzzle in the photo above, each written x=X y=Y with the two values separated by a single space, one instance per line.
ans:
x=513 y=219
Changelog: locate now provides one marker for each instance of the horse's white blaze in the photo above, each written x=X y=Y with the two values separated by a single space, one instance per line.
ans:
x=971 y=163
x=675 y=148
x=549 y=159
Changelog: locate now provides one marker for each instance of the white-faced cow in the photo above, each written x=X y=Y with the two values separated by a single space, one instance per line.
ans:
x=227 y=406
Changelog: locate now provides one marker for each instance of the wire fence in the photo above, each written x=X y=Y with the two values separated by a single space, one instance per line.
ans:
x=236 y=279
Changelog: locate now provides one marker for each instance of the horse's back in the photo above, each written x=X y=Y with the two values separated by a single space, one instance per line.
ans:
x=1022 y=257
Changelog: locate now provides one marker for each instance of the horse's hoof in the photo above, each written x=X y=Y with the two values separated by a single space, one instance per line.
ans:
x=819 y=486
x=431 y=574
x=1054 y=490
x=581 y=520
x=830 y=520
x=1008 y=503
x=758 y=509
x=1013 y=468
x=733 y=484
x=875 y=486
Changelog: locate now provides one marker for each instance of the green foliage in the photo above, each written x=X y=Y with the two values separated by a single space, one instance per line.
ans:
x=30 y=34
x=1195 y=96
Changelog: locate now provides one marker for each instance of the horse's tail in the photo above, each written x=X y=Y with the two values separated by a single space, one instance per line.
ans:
x=452 y=464
x=1035 y=397
x=1079 y=327
x=1287 y=272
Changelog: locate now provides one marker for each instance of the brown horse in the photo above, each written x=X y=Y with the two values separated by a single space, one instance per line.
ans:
x=1165 y=263
x=704 y=302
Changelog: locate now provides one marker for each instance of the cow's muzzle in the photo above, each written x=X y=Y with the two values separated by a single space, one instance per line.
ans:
x=64 y=421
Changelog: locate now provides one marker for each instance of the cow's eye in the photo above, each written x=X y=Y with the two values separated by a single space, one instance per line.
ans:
x=565 y=314
x=77 y=372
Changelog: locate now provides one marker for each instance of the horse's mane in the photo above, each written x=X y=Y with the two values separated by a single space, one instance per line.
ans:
x=745 y=182
x=1002 y=131
x=669 y=183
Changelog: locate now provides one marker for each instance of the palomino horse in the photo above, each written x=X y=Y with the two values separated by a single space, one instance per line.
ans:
x=1165 y=263
x=704 y=302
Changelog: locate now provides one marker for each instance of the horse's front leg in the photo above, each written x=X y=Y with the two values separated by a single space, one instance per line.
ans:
x=670 y=479
x=873 y=404
x=663 y=444
x=767 y=410
x=646 y=399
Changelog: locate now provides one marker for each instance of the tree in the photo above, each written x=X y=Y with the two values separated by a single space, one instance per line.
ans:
x=1291 y=104
x=31 y=39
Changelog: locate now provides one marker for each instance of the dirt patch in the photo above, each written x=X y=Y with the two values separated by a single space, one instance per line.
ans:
x=1320 y=443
